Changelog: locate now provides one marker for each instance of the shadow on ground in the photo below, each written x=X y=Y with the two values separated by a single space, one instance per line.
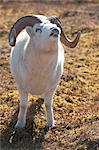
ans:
x=30 y=137
x=93 y=144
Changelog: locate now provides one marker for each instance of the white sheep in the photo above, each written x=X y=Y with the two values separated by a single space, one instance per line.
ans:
x=37 y=59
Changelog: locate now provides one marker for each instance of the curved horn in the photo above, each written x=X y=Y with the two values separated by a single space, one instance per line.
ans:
x=64 y=39
x=19 y=25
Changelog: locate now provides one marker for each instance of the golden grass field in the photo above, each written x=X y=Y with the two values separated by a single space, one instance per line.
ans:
x=76 y=101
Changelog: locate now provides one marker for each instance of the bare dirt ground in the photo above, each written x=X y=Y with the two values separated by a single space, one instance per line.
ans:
x=76 y=101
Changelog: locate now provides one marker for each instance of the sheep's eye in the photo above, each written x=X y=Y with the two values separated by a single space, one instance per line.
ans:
x=38 y=29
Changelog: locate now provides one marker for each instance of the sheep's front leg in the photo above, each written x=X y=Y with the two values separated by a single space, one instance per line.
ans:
x=23 y=110
x=48 y=99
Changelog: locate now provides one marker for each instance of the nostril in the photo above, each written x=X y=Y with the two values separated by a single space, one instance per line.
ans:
x=55 y=30
x=52 y=28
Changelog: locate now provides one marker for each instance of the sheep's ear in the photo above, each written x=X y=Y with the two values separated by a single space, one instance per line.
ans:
x=29 y=30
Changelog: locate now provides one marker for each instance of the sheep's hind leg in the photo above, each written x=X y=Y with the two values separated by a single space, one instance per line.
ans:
x=23 y=110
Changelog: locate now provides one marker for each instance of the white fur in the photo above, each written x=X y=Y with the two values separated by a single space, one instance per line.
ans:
x=37 y=64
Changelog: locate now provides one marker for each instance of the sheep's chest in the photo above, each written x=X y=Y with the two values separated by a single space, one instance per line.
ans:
x=39 y=78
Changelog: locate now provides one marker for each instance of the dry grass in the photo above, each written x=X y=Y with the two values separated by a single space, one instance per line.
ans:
x=76 y=102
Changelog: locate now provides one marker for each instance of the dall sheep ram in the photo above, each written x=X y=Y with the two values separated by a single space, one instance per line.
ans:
x=37 y=59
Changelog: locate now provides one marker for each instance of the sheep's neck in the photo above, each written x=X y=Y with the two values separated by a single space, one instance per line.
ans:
x=40 y=58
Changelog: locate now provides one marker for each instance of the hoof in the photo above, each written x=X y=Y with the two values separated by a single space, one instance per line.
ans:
x=51 y=125
x=19 y=125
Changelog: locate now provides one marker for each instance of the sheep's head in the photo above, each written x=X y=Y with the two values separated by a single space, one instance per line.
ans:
x=46 y=33
x=42 y=28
